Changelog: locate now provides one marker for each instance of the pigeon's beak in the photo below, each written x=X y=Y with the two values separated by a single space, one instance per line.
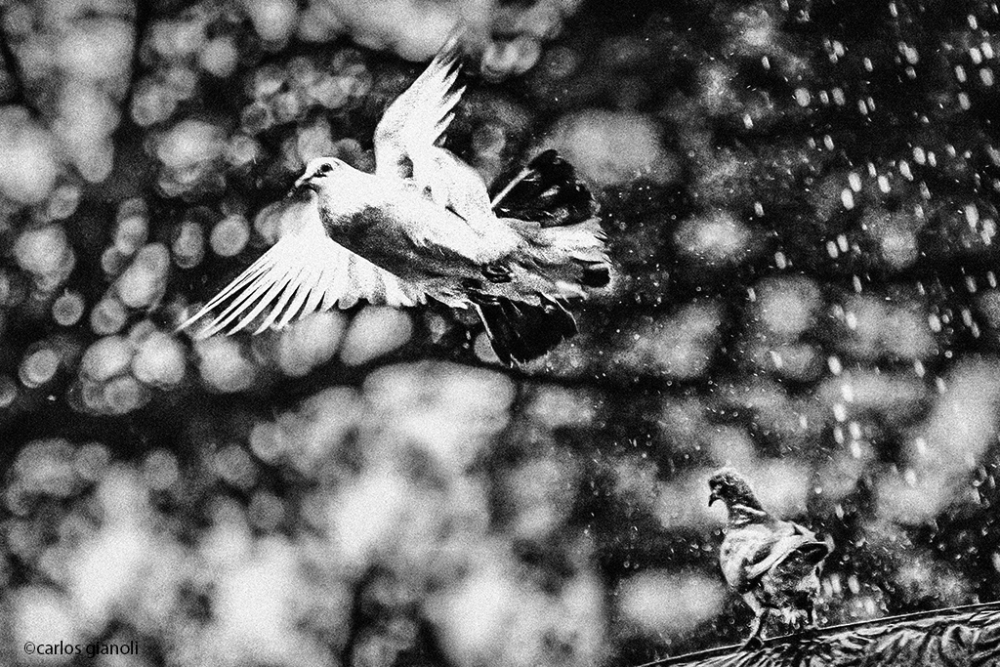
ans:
x=713 y=497
x=301 y=186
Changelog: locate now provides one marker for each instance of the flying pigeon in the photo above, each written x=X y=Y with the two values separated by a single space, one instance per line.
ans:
x=423 y=226
x=773 y=564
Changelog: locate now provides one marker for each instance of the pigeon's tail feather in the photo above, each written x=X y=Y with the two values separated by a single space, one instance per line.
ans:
x=520 y=332
x=555 y=214
x=560 y=261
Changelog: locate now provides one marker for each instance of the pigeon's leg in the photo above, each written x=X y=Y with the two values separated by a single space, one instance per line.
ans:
x=754 y=641
x=811 y=628
x=806 y=620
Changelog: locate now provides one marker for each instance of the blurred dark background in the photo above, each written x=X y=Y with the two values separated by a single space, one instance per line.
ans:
x=802 y=200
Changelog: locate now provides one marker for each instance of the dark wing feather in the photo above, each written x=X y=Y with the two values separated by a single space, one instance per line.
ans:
x=547 y=191
x=791 y=539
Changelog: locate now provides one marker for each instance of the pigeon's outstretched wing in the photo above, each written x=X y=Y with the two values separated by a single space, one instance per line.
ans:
x=415 y=121
x=407 y=138
x=303 y=272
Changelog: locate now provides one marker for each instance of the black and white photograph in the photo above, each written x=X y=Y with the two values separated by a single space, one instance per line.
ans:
x=499 y=333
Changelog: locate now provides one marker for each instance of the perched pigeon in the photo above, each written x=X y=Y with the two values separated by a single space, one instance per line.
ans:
x=773 y=564
x=424 y=226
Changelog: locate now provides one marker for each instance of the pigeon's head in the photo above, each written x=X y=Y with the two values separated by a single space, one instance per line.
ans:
x=731 y=488
x=318 y=173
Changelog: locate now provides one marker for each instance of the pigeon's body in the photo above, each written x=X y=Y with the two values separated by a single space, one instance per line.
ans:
x=423 y=226
x=773 y=564
x=389 y=222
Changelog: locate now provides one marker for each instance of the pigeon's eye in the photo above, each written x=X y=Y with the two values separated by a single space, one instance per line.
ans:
x=325 y=168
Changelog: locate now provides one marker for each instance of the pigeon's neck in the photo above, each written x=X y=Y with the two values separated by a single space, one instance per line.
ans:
x=344 y=202
x=741 y=514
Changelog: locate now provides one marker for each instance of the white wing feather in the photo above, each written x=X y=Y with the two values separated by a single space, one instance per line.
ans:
x=303 y=272
x=407 y=137
x=417 y=119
